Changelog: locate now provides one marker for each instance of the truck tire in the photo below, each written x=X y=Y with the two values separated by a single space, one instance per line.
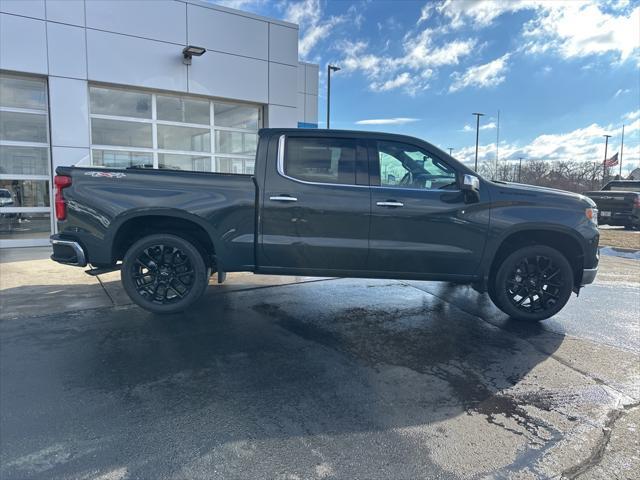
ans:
x=533 y=283
x=164 y=273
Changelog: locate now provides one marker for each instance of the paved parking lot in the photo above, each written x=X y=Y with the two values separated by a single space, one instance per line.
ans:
x=316 y=379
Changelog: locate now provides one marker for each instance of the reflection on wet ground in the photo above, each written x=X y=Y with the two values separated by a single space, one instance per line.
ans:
x=328 y=379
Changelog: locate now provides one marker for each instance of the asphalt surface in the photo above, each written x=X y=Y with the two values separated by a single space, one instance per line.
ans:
x=356 y=379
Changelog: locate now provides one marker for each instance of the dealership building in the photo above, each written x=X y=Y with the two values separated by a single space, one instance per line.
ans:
x=117 y=84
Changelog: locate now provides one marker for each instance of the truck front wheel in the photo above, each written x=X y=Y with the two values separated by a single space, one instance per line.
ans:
x=533 y=283
x=164 y=273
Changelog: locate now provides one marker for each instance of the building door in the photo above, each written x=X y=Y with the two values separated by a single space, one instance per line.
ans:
x=25 y=176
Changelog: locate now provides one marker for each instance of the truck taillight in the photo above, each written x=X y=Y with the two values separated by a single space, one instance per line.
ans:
x=636 y=202
x=61 y=182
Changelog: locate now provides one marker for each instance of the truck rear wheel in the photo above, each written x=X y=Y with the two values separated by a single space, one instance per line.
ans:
x=164 y=273
x=533 y=283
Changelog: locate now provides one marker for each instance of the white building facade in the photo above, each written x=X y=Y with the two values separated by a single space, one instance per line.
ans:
x=105 y=83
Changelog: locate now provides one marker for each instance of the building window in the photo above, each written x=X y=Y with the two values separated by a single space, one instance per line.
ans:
x=25 y=189
x=131 y=128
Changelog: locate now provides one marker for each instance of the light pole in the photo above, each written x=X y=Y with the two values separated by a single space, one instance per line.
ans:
x=330 y=68
x=478 y=115
x=520 y=171
x=604 y=162
x=450 y=150
x=621 y=149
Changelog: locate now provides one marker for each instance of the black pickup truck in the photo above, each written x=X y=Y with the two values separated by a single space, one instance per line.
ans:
x=618 y=203
x=328 y=203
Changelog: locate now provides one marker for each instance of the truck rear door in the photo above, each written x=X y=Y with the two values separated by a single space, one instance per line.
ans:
x=315 y=205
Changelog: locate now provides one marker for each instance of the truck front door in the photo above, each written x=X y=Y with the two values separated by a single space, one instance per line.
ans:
x=420 y=223
x=315 y=205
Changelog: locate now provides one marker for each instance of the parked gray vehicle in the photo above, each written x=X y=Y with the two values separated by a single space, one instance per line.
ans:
x=329 y=203
x=618 y=203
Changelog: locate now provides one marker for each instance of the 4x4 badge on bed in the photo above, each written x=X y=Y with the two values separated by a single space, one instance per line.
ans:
x=106 y=174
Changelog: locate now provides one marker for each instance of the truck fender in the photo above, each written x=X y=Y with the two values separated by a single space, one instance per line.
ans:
x=120 y=220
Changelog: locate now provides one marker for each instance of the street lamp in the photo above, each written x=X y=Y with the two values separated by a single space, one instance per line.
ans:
x=520 y=171
x=478 y=115
x=450 y=150
x=330 y=68
x=604 y=162
x=621 y=150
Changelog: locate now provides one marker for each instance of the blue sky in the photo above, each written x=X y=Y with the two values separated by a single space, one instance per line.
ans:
x=562 y=73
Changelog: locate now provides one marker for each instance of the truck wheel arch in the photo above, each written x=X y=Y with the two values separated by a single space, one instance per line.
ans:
x=559 y=238
x=126 y=229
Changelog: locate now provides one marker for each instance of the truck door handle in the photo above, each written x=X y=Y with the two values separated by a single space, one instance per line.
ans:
x=390 y=204
x=283 y=198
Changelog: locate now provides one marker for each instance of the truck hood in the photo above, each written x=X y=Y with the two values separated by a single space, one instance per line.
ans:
x=515 y=188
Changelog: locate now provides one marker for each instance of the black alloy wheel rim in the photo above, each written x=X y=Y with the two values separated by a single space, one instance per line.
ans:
x=535 y=284
x=163 y=274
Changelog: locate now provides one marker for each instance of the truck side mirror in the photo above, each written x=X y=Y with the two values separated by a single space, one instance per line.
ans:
x=471 y=188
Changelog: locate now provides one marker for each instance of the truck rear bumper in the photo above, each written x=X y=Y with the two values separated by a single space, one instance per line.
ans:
x=67 y=251
x=588 y=276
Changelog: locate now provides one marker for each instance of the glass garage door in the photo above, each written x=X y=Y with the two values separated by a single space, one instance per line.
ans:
x=160 y=130
x=25 y=196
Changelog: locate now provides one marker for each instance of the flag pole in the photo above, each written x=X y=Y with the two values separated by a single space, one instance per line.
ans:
x=621 y=149
x=604 y=162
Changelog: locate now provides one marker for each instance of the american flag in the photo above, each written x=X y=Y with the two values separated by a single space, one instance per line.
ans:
x=612 y=162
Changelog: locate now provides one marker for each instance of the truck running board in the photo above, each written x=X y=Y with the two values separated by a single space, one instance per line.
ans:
x=99 y=271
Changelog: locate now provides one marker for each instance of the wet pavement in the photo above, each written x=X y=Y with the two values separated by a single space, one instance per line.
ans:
x=325 y=379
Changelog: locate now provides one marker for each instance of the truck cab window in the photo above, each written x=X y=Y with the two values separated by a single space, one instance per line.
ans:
x=406 y=166
x=321 y=160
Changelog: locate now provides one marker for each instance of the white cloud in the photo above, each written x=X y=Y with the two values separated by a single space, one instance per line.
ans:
x=571 y=28
x=481 y=76
x=581 y=29
x=582 y=144
x=314 y=27
x=420 y=51
x=631 y=116
x=480 y=14
x=387 y=121
x=567 y=28
x=621 y=92
x=425 y=13
x=411 y=70
x=399 y=81
x=486 y=126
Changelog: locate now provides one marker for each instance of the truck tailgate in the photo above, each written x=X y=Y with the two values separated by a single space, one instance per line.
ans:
x=613 y=201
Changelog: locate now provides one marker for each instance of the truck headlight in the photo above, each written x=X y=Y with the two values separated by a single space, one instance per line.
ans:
x=592 y=215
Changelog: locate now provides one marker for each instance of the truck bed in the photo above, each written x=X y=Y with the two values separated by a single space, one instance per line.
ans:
x=101 y=202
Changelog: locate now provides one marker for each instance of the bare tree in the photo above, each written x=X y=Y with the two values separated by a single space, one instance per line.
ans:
x=564 y=175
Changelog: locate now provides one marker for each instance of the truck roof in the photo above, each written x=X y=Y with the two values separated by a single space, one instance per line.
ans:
x=323 y=132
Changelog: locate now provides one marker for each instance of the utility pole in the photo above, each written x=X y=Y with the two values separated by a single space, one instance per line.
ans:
x=520 y=171
x=330 y=68
x=621 y=149
x=604 y=162
x=450 y=150
x=478 y=115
